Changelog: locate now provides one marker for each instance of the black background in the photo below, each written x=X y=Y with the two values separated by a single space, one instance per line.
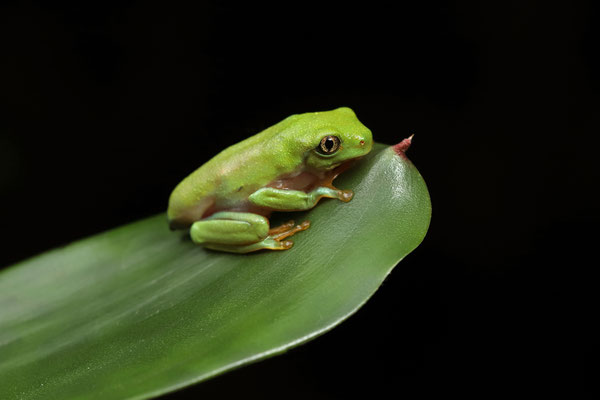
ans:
x=105 y=106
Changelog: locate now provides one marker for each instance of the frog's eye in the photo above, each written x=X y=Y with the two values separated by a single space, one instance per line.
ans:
x=329 y=145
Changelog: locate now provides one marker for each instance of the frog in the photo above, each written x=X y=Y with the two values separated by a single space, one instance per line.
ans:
x=226 y=203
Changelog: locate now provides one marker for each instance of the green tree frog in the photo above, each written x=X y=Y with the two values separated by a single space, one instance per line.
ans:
x=288 y=167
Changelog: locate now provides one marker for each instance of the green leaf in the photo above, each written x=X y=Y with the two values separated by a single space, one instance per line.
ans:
x=139 y=310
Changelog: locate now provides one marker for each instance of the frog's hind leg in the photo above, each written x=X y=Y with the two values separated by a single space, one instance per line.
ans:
x=239 y=232
x=230 y=228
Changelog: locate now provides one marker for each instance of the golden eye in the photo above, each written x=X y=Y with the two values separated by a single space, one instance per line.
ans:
x=329 y=145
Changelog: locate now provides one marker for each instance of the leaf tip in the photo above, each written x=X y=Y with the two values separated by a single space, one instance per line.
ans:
x=401 y=147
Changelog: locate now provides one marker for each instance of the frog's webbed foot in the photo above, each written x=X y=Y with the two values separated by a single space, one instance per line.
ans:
x=331 y=191
x=265 y=244
x=287 y=229
x=282 y=228
x=327 y=188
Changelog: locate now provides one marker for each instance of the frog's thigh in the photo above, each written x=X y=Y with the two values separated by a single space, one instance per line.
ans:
x=230 y=228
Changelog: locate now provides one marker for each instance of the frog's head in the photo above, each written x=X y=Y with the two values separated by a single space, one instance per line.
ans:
x=328 y=139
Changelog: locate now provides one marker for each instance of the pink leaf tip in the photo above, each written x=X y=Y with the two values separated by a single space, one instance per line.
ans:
x=401 y=147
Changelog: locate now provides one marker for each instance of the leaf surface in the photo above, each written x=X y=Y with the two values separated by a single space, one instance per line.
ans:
x=139 y=310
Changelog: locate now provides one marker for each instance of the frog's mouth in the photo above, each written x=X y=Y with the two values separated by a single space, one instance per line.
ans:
x=334 y=166
x=344 y=165
x=337 y=169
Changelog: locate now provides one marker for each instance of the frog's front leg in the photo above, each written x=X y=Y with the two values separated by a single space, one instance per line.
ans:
x=296 y=200
x=240 y=232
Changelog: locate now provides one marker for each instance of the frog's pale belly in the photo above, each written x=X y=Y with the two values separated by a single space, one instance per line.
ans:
x=303 y=181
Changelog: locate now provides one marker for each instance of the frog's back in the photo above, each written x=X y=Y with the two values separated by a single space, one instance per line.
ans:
x=223 y=181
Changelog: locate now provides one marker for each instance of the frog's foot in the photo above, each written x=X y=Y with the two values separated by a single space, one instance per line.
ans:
x=332 y=192
x=286 y=230
x=282 y=228
x=265 y=244
x=345 y=195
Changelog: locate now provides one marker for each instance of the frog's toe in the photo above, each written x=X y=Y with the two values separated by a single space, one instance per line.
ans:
x=282 y=228
x=285 y=234
x=305 y=225
x=272 y=244
x=346 y=195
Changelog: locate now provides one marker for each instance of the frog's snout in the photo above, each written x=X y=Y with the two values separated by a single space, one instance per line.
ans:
x=365 y=145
